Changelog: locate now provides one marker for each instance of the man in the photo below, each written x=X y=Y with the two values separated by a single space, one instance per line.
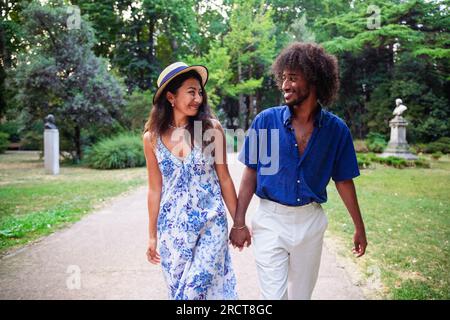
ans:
x=307 y=146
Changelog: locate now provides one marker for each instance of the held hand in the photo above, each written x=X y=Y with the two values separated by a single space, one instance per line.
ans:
x=360 y=242
x=248 y=242
x=240 y=238
x=152 y=254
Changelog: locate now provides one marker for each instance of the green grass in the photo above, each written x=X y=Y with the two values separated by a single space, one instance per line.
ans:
x=34 y=204
x=407 y=217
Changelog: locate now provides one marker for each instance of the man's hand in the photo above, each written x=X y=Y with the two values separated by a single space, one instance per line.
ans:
x=240 y=238
x=347 y=192
x=360 y=241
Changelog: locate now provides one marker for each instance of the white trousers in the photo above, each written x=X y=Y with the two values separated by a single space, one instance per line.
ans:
x=287 y=243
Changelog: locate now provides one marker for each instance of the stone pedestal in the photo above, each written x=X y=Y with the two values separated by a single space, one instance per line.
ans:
x=398 y=147
x=51 y=151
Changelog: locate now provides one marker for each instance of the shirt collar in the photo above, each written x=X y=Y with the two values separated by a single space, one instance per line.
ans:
x=318 y=120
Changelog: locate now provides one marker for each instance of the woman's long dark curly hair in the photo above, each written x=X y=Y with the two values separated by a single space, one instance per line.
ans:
x=161 y=114
x=317 y=67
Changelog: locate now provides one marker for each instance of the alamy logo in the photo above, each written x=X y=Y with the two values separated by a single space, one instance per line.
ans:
x=258 y=145
x=74 y=19
x=73 y=282
x=374 y=20
x=263 y=148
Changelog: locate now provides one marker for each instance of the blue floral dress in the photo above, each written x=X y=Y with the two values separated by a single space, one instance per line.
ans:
x=193 y=229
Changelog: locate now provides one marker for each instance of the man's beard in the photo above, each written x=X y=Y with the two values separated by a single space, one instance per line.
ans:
x=302 y=96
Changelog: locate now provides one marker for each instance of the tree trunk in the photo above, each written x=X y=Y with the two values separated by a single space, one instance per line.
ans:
x=151 y=41
x=5 y=57
x=4 y=54
x=249 y=113
x=241 y=97
x=77 y=139
x=258 y=101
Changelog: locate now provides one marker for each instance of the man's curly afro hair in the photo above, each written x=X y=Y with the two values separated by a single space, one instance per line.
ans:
x=317 y=67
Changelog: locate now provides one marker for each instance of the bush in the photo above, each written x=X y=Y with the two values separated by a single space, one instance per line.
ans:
x=394 y=162
x=377 y=146
x=137 y=109
x=363 y=161
x=372 y=157
x=122 y=151
x=32 y=140
x=376 y=142
x=4 y=141
x=440 y=145
x=360 y=146
x=12 y=129
x=437 y=155
x=402 y=163
x=373 y=136
x=422 y=163
x=418 y=148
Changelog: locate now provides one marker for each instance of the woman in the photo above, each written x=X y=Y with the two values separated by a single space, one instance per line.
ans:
x=187 y=217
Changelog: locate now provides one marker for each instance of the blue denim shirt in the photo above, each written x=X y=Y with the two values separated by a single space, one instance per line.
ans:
x=286 y=177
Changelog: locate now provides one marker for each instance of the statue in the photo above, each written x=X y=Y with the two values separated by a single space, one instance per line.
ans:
x=400 y=108
x=51 y=145
x=398 y=146
x=50 y=122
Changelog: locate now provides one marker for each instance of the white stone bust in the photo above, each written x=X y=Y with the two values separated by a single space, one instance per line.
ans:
x=400 y=108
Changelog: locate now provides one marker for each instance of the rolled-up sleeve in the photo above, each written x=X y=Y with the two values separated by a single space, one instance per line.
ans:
x=345 y=164
x=250 y=150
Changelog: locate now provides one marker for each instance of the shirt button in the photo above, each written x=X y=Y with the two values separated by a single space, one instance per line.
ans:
x=295 y=144
x=298 y=199
x=298 y=181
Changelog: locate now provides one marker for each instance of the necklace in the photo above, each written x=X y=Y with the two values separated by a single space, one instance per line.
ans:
x=180 y=127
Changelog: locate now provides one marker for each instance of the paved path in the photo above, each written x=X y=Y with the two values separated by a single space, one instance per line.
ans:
x=107 y=250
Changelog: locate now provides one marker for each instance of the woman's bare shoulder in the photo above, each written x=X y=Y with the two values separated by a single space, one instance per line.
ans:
x=149 y=139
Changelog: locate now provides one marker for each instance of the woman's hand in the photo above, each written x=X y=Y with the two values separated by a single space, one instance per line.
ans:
x=152 y=254
x=241 y=237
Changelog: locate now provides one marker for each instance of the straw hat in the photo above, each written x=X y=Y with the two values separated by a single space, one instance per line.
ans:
x=175 y=69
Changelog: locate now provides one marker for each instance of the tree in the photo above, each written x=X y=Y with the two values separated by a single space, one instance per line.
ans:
x=211 y=18
x=380 y=62
x=60 y=74
x=11 y=33
x=295 y=19
x=105 y=17
x=251 y=46
x=239 y=60
x=219 y=85
x=141 y=37
x=155 y=33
